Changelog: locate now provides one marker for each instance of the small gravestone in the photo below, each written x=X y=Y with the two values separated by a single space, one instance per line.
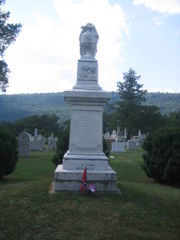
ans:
x=52 y=141
x=131 y=144
x=36 y=141
x=118 y=146
x=23 y=144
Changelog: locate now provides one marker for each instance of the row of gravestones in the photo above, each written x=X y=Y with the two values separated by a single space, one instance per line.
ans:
x=117 y=142
x=131 y=144
x=26 y=142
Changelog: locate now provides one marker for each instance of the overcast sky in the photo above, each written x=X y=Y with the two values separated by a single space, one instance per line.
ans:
x=140 y=34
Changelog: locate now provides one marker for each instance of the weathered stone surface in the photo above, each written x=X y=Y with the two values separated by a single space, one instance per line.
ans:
x=104 y=181
x=118 y=146
x=131 y=145
x=87 y=75
x=36 y=142
x=88 y=41
x=86 y=102
x=23 y=144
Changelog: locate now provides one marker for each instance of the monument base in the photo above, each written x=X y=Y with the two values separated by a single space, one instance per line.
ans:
x=70 y=180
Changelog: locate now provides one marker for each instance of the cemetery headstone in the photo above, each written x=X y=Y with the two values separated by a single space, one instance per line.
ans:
x=36 y=143
x=52 y=141
x=114 y=135
x=118 y=147
x=24 y=144
x=131 y=144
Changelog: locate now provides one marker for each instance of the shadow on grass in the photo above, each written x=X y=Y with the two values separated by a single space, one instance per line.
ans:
x=13 y=180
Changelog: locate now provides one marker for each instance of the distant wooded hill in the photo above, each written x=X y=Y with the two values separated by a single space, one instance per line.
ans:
x=14 y=107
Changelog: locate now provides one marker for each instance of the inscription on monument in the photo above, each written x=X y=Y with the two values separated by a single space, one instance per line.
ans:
x=87 y=131
x=81 y=166
x=87 y=71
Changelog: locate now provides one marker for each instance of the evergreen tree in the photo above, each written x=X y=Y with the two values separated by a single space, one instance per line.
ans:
x=8 y=33
x=8 y=151
x=131 y=97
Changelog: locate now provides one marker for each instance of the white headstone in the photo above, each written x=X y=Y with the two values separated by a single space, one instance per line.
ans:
x=36 y=143
x=131 y=144
x=118 y=146
x=23 y=144
x=52 y=141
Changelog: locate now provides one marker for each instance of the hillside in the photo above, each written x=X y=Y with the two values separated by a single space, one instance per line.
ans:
x=14 y=107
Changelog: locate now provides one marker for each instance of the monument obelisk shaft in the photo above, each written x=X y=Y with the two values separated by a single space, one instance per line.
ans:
x=86 y=101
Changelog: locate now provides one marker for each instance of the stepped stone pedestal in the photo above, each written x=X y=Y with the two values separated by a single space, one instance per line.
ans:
x=86 y=101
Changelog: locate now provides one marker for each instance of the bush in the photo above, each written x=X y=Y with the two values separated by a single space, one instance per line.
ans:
x=162 y=155
x=62 y=144
x=106 y=149
x=8 y=152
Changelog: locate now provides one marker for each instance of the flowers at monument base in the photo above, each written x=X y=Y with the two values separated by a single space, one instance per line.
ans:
x=84 y=181
x=85 y=187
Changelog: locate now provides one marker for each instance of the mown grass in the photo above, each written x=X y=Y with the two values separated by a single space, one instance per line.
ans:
x=145 y=210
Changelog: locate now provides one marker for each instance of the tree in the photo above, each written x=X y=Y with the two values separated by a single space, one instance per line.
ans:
x=8 y=151
x=62 y=143
x=8 y=34
x=131 y=97
x=46 y=124
x=150 y=118
x=173 y=119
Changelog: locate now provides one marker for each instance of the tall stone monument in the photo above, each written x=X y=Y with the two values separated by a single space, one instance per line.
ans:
x=86 y=101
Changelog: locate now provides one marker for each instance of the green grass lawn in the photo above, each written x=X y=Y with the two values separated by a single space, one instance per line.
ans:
x=145 y=210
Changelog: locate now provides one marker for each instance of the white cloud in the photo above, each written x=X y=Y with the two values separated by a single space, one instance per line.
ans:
x=158 y=23
x=44 y=57
x=162 y=6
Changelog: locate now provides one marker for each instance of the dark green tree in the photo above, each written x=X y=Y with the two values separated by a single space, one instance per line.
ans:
x=62 y=143
x=173 y=119
x=150 y=118
x=162 y=155
x=8 y=151
x=46 y=124
x=8 y=34
x=131 y=98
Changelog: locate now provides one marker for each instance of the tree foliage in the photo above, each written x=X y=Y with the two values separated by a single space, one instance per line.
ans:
x=173 y=119
x=131 y=111
x=162 y=155
x=8 y=34
x=46 y=124
x=150 y=118
x=8 y=152
x=62 y=143
x=131 y=97
x=130 y=91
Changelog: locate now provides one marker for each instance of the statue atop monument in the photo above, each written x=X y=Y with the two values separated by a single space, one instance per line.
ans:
x=88 y=41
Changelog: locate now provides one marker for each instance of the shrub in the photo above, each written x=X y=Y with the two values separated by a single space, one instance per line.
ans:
x=62 y=144
x=162 y=155
x=8 y=152
x=106 y=149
